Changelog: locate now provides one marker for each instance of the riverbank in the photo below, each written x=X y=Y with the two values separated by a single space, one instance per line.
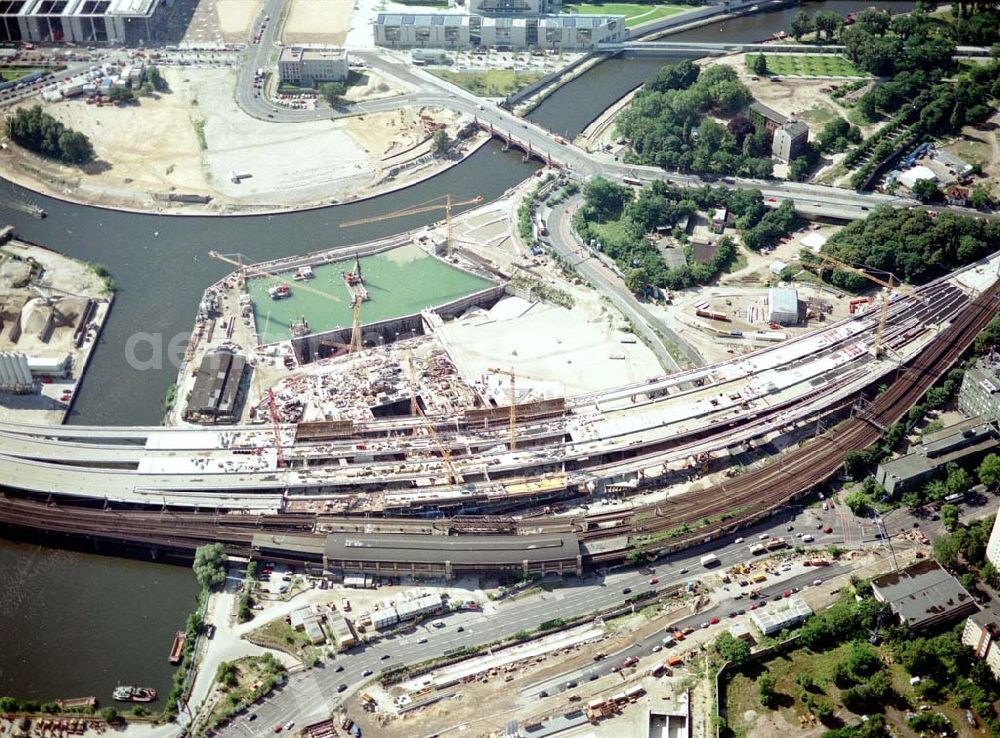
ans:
x=54 y=310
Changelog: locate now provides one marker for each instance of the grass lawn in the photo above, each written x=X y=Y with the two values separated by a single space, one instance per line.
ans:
x=809 y=65
x=635 y=13
x=284 y=637
x=491 y=83
x=9 y=74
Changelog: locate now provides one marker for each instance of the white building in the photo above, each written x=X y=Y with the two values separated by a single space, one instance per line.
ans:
x=514 y=7
x=913 y=175
x=299 y=66
x=783 y=615
x=453 y=31
x=981 y=637
x=993 y=547
x=117 y=22
x=783 y=306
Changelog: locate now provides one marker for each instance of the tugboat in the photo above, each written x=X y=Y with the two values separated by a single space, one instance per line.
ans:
x=134 y=694
x=280 y=292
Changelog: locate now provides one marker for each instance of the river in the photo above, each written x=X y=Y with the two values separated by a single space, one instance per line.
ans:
x=74 y=624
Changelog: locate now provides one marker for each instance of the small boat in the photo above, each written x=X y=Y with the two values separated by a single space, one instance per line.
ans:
x=38 y=212
x=305 y=272
x=177 y=650
x=134 y=694
x=280 y=292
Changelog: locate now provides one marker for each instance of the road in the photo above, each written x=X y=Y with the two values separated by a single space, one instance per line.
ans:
x=308 y=695
x=566 y=243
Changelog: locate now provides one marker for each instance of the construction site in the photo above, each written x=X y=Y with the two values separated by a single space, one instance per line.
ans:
x=51 y=312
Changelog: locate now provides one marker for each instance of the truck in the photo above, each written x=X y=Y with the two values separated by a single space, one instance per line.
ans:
x=709 y=560
x=775 y=543
x=758 y=548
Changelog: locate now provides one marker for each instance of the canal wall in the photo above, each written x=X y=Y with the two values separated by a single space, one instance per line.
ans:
x=308 y=348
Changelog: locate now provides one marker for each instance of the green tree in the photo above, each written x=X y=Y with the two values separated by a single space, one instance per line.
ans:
x=875 y=22
x=946 y=550
x=856 y=464
x=605 y=199
x=765 y=689
x=441 y=141
x=802 y=25
x=926 y=190
x=146 y=89
x=156 y=79
x=949 y=517
x=989 y=470
x=981 y=198
x=827 y=22
x=210 y=565
x=760 y=65
x=733 y=650
x=858 y=501
x=109 y=715
x=333 y=92
x=959 y=481
x=121 y=94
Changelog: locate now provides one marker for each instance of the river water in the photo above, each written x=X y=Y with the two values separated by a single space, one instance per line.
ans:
x=76 y=624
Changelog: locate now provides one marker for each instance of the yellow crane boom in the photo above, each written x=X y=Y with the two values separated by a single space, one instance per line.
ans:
x=447 y=205
x=509 y=373
x=415 y=410
x=890 y=286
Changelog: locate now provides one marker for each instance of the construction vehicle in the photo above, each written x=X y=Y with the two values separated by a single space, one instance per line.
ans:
x=889 y=286
x=447 y=205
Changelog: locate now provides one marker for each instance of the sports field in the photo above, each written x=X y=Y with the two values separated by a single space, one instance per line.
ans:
x=808 y=65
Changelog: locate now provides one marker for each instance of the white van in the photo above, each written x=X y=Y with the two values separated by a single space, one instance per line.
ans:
x=807 y=538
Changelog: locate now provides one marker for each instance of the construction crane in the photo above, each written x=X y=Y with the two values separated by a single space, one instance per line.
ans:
x=889 y=286
x=447 y=205
x=509 y=373
x=416 y=410
x=353 y=346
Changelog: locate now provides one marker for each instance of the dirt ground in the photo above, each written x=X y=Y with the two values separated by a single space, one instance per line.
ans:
x=981 y=145
x=154 y=148
x=236 y=18
x=318 y=22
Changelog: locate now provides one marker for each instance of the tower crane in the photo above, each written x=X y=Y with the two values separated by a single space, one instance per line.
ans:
x=888 y=285
x=447 y=205
x=415 y=410
x=353 y=346
x=509 y=373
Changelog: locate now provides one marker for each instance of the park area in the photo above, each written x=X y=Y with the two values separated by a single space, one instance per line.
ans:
x=635 y=13
x=808 y=65
x=491 y=83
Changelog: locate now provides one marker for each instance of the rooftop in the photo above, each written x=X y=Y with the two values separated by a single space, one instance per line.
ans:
x=422 y=549
x=300 y=54
x=923 y=594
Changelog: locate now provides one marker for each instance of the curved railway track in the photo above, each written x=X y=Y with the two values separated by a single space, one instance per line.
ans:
x=745 y=498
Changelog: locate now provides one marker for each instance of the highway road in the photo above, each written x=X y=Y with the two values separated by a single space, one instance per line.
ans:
x=309 y=694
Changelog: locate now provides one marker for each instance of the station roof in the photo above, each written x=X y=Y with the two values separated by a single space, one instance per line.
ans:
x=469 y=550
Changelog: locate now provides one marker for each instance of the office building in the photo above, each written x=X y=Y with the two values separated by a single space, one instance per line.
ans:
x=116 y=22
x=308 y=67
x=453 y=31
x=923 y=595
x=980 y=392
x=981 y=637
x=962 y=443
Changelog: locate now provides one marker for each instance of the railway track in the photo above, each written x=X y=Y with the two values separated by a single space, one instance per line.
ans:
x=743 y=499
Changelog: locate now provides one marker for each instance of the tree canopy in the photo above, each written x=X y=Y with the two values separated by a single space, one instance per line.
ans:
x=40 y=132
x=670 y=123
x=911 y=244
x=210 y=565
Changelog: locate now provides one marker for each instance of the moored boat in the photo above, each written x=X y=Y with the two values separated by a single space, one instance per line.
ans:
x=127 y=693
